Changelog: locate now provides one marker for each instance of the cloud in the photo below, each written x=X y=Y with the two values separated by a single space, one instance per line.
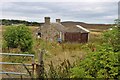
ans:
x=95 y=12
x=59 y=1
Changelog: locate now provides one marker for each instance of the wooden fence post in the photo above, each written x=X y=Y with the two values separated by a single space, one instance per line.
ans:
x=40 y=65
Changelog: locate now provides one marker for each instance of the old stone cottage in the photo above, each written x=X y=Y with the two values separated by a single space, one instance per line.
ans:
x=57 y=32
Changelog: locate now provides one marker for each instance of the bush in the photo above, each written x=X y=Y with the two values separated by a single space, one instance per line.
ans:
x=112 y=37
x=18 y=37
x=99 y=64
x=104 y=62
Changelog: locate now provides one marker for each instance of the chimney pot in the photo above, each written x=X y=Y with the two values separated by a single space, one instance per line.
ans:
x=58 y=20
x=47 y=20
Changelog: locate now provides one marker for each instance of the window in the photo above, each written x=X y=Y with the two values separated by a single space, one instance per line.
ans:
x=39 y=34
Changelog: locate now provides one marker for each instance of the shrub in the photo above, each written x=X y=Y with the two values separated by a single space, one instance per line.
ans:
x=112 y=37
x=18 y=37
x=99 y=64
x=103 y=62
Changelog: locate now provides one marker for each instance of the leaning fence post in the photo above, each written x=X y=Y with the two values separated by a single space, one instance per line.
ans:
x=40 y=65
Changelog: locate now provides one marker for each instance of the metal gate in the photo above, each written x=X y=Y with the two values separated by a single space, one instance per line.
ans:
x=26 y=66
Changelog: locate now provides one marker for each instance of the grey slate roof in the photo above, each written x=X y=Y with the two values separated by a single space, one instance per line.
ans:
x=65 y=28
x=59 y=27
x=74 y=28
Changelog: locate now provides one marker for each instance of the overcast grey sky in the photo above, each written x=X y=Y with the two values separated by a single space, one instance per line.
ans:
x=90 y=12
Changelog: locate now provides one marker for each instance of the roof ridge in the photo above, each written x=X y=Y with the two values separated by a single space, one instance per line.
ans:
x=82 y=28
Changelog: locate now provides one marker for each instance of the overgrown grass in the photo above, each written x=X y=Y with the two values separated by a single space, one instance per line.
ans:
x=57 y=53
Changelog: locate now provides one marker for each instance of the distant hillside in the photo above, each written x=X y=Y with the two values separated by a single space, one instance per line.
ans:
x=99 y=27
x=12 y=22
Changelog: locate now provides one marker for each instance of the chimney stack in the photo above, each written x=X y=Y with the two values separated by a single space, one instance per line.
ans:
x=58 y=20
x=47 y=20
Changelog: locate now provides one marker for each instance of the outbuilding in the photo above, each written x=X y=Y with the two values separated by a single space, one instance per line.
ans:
x=76 y=33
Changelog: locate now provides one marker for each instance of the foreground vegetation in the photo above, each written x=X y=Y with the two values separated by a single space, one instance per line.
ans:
x=96 y=59
x=18 y=37
x=102 y=62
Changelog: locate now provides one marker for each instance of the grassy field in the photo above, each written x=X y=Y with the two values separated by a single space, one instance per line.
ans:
x=57 y=53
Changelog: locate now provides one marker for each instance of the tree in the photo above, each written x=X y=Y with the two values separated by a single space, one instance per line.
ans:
x=18 y=37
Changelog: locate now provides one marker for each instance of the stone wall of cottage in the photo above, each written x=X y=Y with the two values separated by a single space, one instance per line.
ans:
x=49 y=33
